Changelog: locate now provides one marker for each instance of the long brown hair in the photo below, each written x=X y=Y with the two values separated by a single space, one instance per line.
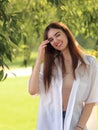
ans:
x=51 y=53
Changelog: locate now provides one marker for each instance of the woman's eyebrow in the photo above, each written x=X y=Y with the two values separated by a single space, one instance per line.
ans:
x=54 y=35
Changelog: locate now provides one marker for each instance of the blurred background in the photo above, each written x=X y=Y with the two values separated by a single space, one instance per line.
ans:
x=22 y=23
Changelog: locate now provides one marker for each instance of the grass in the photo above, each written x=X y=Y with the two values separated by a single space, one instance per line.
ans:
x=17 y=61
x=18 y=110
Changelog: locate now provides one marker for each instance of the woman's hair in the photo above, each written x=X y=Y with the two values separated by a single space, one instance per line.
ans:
x=51 y=53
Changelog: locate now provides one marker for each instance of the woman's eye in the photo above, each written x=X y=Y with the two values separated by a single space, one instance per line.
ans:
x=50 y=40
x=58 y=35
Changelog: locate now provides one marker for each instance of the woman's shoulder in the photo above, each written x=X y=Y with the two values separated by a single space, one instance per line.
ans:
x=91 y=63
x=89 y=59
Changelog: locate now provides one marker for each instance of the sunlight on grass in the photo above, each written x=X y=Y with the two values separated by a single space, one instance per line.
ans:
x=18 y=110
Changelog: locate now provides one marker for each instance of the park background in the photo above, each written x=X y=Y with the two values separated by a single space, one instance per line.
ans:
x=22 y=23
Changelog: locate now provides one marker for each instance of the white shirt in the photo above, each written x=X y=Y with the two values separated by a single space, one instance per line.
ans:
x=84 y=89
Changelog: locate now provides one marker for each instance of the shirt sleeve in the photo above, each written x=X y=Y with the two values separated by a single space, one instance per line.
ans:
x=93 y=83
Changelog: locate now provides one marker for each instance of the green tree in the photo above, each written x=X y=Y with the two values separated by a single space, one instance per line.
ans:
x=80 y=15
x=22 y=24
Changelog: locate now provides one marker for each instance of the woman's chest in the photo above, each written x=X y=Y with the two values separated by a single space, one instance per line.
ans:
x=66 y=89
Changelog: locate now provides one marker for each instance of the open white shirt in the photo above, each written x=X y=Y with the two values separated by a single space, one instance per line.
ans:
x=84 y=89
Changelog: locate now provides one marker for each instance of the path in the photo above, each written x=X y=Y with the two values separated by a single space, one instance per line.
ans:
x=19 y=72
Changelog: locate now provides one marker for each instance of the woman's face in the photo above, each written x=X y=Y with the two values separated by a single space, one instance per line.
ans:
x=58 y=39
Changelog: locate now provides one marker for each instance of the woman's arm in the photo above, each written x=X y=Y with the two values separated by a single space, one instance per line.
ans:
x=85 y=116
x=34 y=79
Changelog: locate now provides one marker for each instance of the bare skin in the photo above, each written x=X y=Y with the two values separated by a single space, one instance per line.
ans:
x=68 y=78
x=34 y=79
x=59 y=41
x=67 y=86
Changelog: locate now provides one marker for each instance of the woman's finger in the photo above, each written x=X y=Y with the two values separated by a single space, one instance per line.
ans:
x=45 y=42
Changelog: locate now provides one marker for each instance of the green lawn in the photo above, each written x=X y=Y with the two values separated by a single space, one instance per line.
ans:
x=18 y=110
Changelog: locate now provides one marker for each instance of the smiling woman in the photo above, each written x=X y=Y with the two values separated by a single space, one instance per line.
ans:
x=66 y=79
x=57 y=39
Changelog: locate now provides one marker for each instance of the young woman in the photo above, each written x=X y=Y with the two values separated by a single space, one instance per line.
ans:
x=66 y=79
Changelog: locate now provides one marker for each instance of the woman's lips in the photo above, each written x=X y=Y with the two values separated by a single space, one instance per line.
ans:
x=59 y=45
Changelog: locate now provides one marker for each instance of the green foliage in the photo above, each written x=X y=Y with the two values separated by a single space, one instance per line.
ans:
x=22 y=24
x=10 y=35
x=80 y=16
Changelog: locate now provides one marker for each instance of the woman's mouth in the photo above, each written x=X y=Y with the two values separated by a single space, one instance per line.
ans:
x=59 y=45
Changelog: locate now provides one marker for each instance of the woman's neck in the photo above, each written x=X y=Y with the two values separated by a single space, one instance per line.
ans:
x=67 y=61
x=67 y=56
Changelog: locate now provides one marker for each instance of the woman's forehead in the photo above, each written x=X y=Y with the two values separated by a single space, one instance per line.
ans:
x=52 y=32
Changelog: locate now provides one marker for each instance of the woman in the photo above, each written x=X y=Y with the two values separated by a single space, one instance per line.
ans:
x=66 y=79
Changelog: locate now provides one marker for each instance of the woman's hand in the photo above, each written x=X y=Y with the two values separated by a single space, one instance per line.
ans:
x=34 y=79
x=41 y=49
